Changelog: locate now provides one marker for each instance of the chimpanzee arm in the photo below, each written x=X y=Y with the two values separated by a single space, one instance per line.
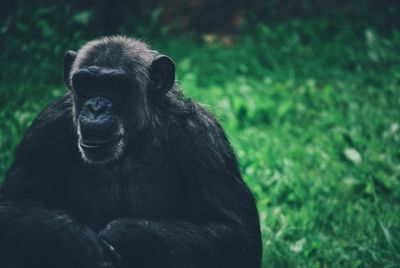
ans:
x=221 y=228
x=32 y=236
x=143 y=243
x=32 y=232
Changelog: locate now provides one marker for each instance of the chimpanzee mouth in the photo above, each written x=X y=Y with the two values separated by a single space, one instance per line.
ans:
x=101 y=147
x=100 y=152
x=98 y=144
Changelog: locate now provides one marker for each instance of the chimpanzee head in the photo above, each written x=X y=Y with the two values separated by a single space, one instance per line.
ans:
x=112 y=81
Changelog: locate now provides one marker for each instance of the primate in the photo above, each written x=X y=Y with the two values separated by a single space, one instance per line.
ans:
x=124 y=171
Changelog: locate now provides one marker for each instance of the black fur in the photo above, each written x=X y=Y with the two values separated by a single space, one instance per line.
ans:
x=174 y=198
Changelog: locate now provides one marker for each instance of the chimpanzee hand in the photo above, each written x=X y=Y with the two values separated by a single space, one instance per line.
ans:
x=133 y=241
x=84 y=248
x=114 y=256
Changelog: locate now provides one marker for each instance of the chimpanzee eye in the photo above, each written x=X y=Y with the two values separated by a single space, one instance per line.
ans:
x=82 y=89
x=81 y=83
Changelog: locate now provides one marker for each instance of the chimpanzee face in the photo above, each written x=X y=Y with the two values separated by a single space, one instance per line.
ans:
x=110 y=84
x=100 y=97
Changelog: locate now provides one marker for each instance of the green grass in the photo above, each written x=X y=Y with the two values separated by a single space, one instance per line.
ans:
x=315 y=124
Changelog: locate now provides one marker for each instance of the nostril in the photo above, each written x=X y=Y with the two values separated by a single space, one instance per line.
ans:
x=98 y=106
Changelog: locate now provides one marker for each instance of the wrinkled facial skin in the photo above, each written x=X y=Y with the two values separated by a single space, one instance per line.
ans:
x=99 y=96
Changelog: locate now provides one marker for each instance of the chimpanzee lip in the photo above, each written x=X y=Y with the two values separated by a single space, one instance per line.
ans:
x=95 y=144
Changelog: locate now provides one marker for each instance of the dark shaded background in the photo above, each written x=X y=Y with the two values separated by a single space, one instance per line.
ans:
x=41 y=29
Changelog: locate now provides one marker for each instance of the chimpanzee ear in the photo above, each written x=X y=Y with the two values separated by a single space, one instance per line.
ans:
x=69 y=59
x=162 y=75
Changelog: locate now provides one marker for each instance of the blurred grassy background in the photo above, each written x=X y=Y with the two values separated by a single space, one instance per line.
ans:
x=308 y=91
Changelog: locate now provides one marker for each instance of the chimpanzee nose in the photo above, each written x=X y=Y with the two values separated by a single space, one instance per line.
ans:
x=97 y=106
x=96 y=121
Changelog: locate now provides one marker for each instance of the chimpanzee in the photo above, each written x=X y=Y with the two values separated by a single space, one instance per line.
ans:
x=124 y=171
